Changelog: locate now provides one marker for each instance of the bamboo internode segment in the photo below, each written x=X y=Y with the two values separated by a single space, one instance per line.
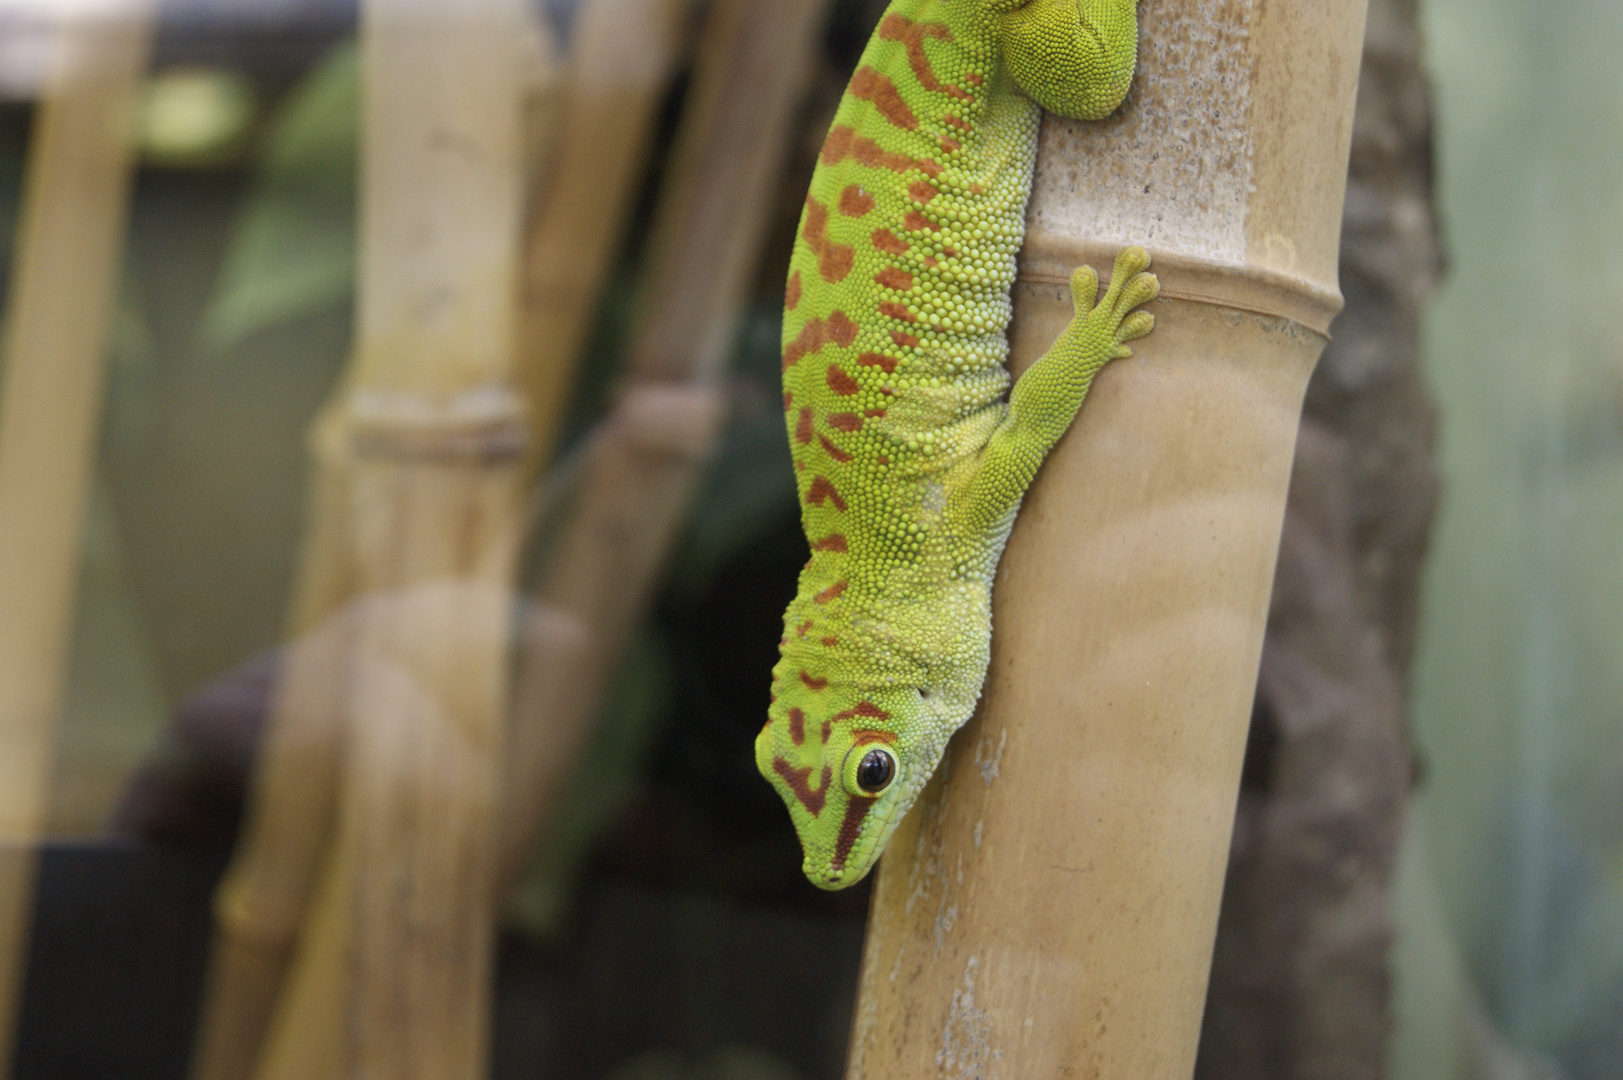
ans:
x=1048 y=908
x=64 y=275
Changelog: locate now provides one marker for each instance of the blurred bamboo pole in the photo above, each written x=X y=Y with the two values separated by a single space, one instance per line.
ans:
x=643 y=464
x=65 y=272
x=1048 y=907
x=620 y=66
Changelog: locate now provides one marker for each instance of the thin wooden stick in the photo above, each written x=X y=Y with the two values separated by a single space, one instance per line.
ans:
x=620 y=63
x=68 y=253
x=641 y=471
x=1049 y=905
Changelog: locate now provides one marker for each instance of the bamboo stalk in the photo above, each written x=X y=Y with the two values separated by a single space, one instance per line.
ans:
x=70 y=241
x=1049 y=906
x=643 y=465
x=620 y=65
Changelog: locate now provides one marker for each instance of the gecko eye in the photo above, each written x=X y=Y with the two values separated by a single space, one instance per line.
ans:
x=875 y=771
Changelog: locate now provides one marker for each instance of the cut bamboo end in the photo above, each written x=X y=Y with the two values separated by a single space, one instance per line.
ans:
x=1048 y=907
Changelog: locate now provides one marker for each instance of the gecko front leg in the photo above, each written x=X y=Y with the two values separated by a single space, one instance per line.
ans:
x=1046 y=398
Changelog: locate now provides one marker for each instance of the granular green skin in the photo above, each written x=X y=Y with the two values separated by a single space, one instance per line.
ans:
x=911 y=452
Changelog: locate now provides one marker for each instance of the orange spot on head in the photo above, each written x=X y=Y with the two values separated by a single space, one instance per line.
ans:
x=800 y=631
x=831 y=542
x=797 y=726
x=813 y=682
x=796 y=780
x=788 y=400
x=822 y=491
x=864 y=709
x=831 y=593
x=864 y=736
x=833 y=451
x=830 y=642
x=828 y=729
x=892 y=277
x=844 y=421
x=856 y=811
x=855 y=202
x=791 y=293
x=841 y=383
x=803 y=426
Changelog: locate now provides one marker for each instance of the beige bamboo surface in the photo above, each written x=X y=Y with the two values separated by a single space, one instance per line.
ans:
x=289 y=884
x=64 y=274
x=1049 y=906
x=643 y=464
x=620 y=65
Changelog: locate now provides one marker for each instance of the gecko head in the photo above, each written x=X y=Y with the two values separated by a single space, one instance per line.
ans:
x=848 y=762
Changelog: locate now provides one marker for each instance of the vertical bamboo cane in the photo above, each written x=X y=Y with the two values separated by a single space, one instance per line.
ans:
x=439 y=430
x=641 y=470
x=1048 y=908
x=65 y=271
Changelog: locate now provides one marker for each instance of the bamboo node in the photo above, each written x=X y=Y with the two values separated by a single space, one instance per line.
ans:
x=486 y=424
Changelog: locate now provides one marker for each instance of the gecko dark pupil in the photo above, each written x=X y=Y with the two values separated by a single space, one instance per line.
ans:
x=875 y=770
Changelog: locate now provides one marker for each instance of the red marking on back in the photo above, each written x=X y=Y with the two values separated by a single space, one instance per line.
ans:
x=803 y=426
x=950 y=144
x=917 y=222
x=828 y=728
x=821 y=490
x=838 y=330
x=833 y=260
x=791 y=293
x=912 y=35
x=949 y=251
x=879 y=360
x=854 y=202
x=856 y=811
x=863 y=708
x=961 y=125
x=975 y=78
x=796 y=781
x=800 y=631
x=788 y=400
x=874 y=413
x=906 y=341
x=931 y=262
x=893 y=278
x=922 y=191
x=843 y=142
x=831 y=542
x=844 y=421
x=797 y=726
x=813 y=682
x=869 y=85
x=833 y=451
x=888 y=242
x=831 y=593
x=977 y=188
x=897 y=311
x=830 y=642
x=882 y=459
x=841 y=383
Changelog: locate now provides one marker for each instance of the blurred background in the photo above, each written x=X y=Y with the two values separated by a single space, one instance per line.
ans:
x=1427 y=873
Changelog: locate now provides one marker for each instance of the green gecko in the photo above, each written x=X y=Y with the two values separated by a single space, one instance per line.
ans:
x=911 y=460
